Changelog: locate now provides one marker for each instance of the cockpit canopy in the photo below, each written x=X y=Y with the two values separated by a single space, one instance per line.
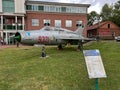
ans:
x=48 y=28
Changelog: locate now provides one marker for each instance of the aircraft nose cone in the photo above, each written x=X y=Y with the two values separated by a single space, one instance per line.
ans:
x=18 y=37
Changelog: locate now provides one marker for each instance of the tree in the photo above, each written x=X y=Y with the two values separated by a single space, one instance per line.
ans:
x=92 y=17
x=116 y=13
x=107 y=12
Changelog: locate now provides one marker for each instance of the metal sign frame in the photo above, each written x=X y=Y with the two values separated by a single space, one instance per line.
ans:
x=94 y=64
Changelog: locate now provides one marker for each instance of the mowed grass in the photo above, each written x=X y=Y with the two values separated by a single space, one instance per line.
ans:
x=23 y=69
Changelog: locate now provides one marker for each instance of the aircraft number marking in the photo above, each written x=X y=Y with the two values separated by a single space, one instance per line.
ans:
x=43 y=39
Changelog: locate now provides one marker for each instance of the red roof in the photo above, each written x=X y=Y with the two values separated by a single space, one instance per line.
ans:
x=97 y=25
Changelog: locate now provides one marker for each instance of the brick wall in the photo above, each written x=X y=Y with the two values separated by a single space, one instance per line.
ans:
x=53 y=16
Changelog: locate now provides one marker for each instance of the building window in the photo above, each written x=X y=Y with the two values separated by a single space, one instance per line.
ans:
x=29 y=7
x=35 y=22
x=41 y=8
x=79 y=23
x=46 y=22
x=68 y=23
x=57 y=23
x=34 y=7
x=108 y=25
x=56 y=8
x=63 y=9
x=8 y=6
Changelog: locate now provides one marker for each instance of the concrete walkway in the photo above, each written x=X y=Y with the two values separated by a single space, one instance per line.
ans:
x=7 y=46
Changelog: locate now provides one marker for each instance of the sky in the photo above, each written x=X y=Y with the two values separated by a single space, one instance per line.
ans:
x=96 y=5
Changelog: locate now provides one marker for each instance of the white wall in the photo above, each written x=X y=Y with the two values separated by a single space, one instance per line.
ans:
x=19 y=6
x=0 y=5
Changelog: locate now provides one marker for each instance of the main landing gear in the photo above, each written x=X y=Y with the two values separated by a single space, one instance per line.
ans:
x=60 y=47
x=80 y=46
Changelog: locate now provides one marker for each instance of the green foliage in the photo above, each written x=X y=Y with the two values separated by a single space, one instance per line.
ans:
x=92 y=17
x=23 y=69
x=116 y=13
x=107 y=12
x=111 y=13
x=117 y=5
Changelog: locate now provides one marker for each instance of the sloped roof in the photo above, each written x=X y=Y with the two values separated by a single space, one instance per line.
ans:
x=97 y=25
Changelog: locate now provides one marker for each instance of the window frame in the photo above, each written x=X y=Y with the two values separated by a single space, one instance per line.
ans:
x=68 y=23
x=35 y=22
x=58 y=23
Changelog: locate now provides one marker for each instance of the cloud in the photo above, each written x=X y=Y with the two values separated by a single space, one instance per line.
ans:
x=96 y=8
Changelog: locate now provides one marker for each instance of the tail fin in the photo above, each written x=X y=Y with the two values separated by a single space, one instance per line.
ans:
x=79 y=31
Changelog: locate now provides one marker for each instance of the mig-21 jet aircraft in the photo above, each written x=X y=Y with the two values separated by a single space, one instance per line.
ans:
x=51 y=35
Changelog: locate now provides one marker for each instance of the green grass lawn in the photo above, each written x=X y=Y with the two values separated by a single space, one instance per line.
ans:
x=23 y=69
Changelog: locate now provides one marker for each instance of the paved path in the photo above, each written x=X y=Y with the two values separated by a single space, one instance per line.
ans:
x=7 y=46
x=14 y=46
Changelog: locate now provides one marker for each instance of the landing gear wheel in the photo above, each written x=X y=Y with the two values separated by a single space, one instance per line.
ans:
x=60 y=46
x=80 y=48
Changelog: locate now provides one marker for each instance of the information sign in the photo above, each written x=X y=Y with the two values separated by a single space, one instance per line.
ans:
x=94 y=64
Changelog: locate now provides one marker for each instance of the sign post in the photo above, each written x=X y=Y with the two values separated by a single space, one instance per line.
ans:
x=96 y=84
x=94 y=65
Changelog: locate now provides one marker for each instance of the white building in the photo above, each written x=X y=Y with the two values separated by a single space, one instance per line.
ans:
x=12 y=18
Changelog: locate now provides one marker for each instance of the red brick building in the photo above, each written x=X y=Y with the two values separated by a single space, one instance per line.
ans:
x=65 y=15
x=105 y=30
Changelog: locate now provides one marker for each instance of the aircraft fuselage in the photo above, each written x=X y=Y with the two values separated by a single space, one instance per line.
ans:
x=45 y=36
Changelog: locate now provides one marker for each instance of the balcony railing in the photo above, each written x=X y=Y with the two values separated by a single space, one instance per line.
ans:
x=11 y=27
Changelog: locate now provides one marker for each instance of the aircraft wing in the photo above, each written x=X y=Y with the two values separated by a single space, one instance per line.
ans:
x=77 y=39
